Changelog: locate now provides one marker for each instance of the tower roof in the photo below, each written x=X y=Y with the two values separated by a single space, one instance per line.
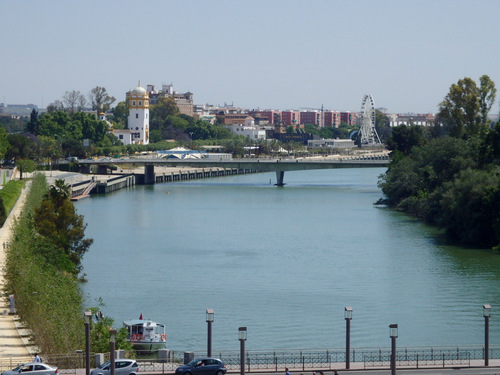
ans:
x=139 y=90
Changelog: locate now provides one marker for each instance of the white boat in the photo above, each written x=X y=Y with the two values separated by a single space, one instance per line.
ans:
x=146 y=335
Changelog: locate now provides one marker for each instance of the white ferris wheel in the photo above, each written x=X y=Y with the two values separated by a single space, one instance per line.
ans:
x=367 y=133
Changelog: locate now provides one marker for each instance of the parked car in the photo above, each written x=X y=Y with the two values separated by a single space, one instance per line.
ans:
x=32 y=368
x=202 y=366
x=122 y=367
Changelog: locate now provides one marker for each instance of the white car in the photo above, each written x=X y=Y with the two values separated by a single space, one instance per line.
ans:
x=32 y=368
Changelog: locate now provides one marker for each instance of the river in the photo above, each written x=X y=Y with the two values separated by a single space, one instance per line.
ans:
x=284 y=262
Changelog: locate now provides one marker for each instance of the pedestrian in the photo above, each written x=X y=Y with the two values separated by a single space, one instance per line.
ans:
x=286 y=371
x=37 y=358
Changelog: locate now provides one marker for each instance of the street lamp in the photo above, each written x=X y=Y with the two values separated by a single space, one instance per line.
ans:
x=87 y=315
x=210 y=319
x=112 y=342
x=394 y=334
x=242 y=336
x=486 y=314
x=348 y=317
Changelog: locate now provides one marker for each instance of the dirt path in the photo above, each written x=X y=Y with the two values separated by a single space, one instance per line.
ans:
x=13 y=338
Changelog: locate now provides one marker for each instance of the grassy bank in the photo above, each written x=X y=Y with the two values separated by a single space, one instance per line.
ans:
x=48 y=300
x=9 y=194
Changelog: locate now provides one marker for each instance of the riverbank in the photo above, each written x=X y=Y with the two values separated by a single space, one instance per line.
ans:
x=14 y=337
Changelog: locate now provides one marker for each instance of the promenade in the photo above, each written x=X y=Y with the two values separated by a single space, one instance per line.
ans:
x=14 y=339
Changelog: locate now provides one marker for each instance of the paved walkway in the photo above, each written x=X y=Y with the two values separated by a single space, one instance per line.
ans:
x=14 y=340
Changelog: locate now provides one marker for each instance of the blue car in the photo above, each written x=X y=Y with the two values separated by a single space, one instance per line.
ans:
x=202 y=366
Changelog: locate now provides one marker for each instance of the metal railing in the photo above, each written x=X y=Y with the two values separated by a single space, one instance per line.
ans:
x=277 y=360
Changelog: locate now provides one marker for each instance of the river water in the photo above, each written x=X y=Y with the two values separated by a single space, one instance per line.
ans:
x=284 y=262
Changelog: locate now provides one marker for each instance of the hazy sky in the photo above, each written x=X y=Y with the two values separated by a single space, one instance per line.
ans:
x=284 y=54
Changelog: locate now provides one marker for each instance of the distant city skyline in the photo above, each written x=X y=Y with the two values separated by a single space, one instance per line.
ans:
x=256 y=55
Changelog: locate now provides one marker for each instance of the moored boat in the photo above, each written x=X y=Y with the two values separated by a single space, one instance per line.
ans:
x=146 y=335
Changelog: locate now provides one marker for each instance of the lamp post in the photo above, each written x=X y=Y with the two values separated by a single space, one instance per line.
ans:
x=112 y=342
x=242 y=336
x=210 y=319
x=87 y=315
x=486 y=314
x=394 y=334
x=348 y=317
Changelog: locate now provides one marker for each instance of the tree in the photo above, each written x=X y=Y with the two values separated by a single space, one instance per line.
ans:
x=59 y=192
x=4 y=143
x=13 y=125
x=100 y=333
x=470 y=206
x=92 y=128
x=403 y=138
x=161 y=111
x=426 y=168
x=20 y=147
x=74 y=101
x=55 y=124
x=50 y=148
x=165 y=107
x=489 y=151
x=33 y=125
x=109 y=140
x=100 y=100
x=487 y=94
x=464 y=110
x=25 y=166
x=57 y=221
x=382 y=125
x=120 y=115
x=73 y=147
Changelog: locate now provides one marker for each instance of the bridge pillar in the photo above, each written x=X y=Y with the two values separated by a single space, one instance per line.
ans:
x=85 y=168
x=149 y=174
x=102 y=169
x=279 y=178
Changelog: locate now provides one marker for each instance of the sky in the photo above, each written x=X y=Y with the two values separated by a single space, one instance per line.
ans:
x=267 y=54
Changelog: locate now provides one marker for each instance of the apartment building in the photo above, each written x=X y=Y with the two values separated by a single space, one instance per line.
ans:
x=310 y=117
x=332 y=119
x=268 y=115
x=350 y=118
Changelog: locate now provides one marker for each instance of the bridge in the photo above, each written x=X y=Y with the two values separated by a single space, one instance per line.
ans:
x=278 y=165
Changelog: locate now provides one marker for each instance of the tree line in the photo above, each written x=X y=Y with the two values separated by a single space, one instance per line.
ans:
x=448 y=174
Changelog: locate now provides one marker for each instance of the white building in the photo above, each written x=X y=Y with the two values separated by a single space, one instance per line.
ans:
x=248 y=129
x=138 y=118
x=425 y=119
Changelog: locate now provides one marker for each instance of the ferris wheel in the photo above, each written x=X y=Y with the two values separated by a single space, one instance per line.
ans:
x=368 y=134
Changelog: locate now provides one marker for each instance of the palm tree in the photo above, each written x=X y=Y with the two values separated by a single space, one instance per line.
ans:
x=59 y=192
